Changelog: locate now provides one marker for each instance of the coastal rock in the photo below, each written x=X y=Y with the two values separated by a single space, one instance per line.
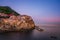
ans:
x=13 y=21
x=17 y=23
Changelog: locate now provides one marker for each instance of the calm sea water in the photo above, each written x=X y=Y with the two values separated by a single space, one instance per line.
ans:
x=49 y=33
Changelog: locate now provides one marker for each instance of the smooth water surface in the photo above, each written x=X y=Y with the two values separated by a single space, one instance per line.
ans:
x=49 y=33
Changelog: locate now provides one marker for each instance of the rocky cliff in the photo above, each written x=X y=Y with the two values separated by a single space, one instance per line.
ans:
x=13 y=22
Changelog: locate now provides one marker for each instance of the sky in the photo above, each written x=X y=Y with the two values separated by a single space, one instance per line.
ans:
x=42 y=11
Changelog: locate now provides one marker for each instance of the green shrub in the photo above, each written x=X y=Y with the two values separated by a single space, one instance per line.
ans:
x=7 y=10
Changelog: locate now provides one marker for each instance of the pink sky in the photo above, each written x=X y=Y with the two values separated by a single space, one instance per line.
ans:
x=46 y=19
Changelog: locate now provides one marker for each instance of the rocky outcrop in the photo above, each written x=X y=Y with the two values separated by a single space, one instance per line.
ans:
x=12 y=21
x=17 y=23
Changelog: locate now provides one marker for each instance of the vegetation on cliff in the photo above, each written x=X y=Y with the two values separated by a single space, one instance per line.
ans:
x=7 y=10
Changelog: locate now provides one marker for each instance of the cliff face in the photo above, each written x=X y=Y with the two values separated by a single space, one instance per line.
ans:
x=15 y=23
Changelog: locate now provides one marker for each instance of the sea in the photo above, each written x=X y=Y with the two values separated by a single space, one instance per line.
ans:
x=49 y=33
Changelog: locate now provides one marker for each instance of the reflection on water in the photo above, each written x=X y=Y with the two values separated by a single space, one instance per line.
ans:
x=48 y=34
x=15 y=36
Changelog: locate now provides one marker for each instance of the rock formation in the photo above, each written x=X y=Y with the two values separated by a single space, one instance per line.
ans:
x=15 y=22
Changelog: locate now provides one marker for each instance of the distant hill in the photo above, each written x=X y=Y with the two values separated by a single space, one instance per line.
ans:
x=8 y=10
